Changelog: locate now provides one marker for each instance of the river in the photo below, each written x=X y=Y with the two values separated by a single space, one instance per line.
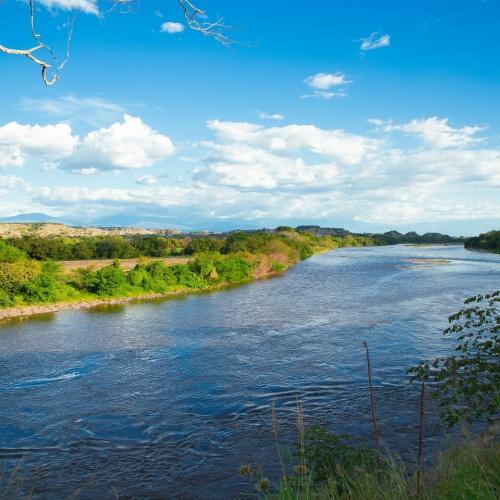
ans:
x=167 y=399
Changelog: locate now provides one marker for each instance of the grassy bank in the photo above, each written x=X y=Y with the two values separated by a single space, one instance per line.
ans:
x=29 y=285
x=467 y=471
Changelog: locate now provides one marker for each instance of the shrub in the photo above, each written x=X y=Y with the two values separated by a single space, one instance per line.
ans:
x=154 y=277
x=467 y=383
x=205 y=265
x=233 y=269
x=46 y=287
x=10 y=254
x=15 y=275
x=186 y=277
x=203 y=245
x=109 y=280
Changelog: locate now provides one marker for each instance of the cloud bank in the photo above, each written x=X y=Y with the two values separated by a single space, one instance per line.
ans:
x=249 y=172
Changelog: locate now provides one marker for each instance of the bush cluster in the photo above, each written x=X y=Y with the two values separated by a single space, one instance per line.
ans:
x=30 y=274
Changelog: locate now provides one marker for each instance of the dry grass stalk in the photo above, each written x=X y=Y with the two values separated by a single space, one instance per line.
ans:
x=373 y=413
x=275 y=434
x=420 y=441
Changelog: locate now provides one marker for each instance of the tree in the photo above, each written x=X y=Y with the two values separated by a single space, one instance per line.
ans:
x=467 y=383
x=45 y=57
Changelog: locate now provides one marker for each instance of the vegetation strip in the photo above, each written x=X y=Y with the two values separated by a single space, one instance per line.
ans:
x=32 y=284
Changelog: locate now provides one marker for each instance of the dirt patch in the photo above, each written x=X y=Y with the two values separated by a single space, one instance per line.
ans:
x=127 y=264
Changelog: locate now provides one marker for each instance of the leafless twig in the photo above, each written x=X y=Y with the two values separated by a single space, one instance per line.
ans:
x=50 y=73
x=195 y=19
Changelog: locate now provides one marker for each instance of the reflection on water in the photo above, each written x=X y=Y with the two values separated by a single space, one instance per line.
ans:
x=167 y=399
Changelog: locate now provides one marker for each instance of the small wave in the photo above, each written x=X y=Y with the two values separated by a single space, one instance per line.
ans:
x=86 y=366
x=37 y=382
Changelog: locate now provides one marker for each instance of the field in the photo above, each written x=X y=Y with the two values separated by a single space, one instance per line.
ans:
x=126 y=264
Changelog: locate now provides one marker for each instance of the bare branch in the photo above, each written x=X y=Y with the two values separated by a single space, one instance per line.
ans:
x=50 y=73
x=195 y=19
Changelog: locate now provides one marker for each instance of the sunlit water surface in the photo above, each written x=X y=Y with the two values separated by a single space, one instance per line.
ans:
x=167 y=399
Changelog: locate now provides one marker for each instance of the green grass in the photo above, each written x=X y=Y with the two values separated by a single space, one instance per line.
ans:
x=467 y=471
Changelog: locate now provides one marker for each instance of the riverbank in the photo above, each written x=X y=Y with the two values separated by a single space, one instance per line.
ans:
x=27 y=311
x=31 y=286
x=38 y=309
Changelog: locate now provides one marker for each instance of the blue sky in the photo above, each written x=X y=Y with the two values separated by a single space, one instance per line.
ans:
x=367 y=115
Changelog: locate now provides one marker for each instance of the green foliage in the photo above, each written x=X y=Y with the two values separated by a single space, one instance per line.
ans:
x=230 y=260
x=325 y=452
x=466 y=471
x=277 y=267
x=487 y=241
x=153 y=277
x=185 y=277
x=467 y=383
x=10 y=254
x=108 y=281
x=205 y=265
x=290 y=244
x=39 y=248
x=203 y=245
x=233 y=269
x=46 y=287
x=251 y=242
x=14 y=276
x=95 y=247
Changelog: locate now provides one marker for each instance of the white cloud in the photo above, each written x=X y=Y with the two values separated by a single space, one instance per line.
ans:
x=324 y=94
x=333 y=144
x=268 y=116
x=252 y=172
x=146 y=180
x=244 y=166
x=376 y=121
x=47 y=142
x=375 y=41
x=325 y=81
x=85 y=171
x=11 y=181
x=172 y=28
x=437 y=133
x=86 y=6
x=93 y=110
x=127 y=144
x=322 y=83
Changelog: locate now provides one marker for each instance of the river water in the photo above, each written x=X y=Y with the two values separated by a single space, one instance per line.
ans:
x=167 y=399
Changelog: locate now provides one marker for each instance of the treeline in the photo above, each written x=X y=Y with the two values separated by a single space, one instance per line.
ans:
x=97 y=247
x=121 y=247
x=395 y=238
x=30 y=274
x=488 y=241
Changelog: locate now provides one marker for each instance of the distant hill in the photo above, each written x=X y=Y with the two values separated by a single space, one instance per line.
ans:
x=323 y=231
x=388 y=238
x=37 y=218
x=394 y=237
x=51 y=229
x=489 y=242
x=37 y=224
